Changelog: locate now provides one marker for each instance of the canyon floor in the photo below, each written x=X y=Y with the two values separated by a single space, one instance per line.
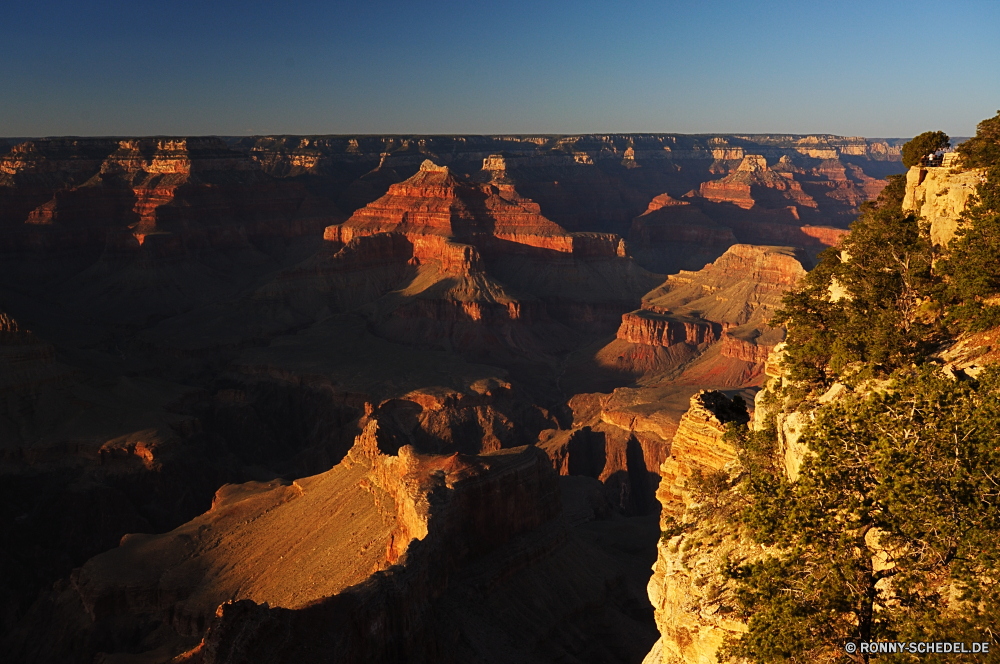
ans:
x=382 y=399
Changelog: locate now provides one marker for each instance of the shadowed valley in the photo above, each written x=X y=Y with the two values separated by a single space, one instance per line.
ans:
x=402 y=398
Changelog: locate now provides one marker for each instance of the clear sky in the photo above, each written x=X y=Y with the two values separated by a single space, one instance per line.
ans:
x=877 y=69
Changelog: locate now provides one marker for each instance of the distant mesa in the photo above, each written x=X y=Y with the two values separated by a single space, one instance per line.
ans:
x=753 y=183
x=434 y=207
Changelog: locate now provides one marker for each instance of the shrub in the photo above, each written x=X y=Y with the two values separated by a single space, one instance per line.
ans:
x=920 y=146
x=982 y=150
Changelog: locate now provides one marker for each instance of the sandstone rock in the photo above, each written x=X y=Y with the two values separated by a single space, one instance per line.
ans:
x=426 y=532
x=152 y=265
x=697 y=444
x=753 y=177
x=730 y=300
x=654 y=329
x=940 y=196
x=692 y=600
x=434 y=205
x=620 y=439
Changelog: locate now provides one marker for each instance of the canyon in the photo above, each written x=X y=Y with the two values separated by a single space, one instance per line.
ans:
x=388 y=398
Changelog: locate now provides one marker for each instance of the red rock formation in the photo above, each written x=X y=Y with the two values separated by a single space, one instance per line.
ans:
x=697 y=445
x=752 y=183
x=434 y=205
x=662 y=201
x=746 y=351
x=598 y=245
x=620 y=439
x=652 y=328
x=423 y=532
x=730 y=300
x=689 y=587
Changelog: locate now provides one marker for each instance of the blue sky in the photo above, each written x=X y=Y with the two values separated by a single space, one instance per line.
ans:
x=220 y=67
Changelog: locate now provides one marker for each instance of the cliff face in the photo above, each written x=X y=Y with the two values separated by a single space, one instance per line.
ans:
x=940 y=195
x=433 y=204
x=191 y=328
x=471 y=243
x=697 y=445
x=729 y=301
x=619 y=439
x=692 y=600
x=804 y=198
x=654 y=329
x=753 y=181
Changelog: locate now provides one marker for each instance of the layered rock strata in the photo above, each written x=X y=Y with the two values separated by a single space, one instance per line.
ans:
x=693 y=601
x=753 y=183
x=434 y=206
x=698 y=445
x=730 y=301
x=652 y=328
x=383 y=558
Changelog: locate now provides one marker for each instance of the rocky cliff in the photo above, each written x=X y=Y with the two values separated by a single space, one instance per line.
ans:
x=939 y=194
x=697 y=445
x=651 y=328
x=753 y=183
x=730 y=300
x=434 y=204
x=693 y=601
x=179 y=185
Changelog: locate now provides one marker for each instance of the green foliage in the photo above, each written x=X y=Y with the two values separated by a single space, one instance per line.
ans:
x=920 y=146
x=892 y=529
x=884 y=275
x=973 y=264
x=709 y=487
x=671 y=528
x=890 y=532
x=982 y=150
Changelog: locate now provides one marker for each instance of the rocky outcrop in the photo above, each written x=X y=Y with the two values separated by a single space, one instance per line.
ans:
x=743 y=350
x=216 y=338
x=754 y=183
x=698 y=445
x=434 y=204
x=730 y=300
x=652 y=328
x=377 y=559
x=693 y=601
x=598 y=245
x=619 y=439
x=258 y=551
x=675 y=234
x=939 y=195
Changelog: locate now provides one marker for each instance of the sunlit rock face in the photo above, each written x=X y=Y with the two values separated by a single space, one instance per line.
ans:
x=939 y=195
x=691 y=598
x=434 y=205
x=753 y=178
x=726 y=305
